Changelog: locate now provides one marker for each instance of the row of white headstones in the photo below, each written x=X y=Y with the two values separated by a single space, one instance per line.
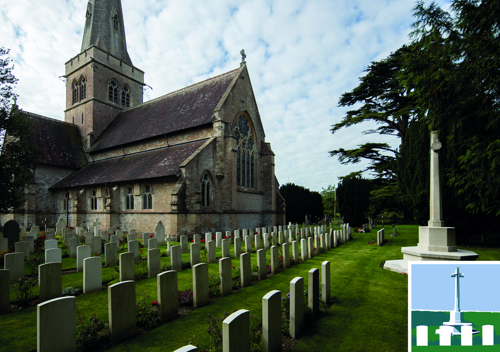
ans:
x=15 y=261
x=50 y=283
x=445 y=333
x=56 y=318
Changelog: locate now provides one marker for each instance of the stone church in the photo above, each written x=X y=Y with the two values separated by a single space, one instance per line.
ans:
x=196 y=158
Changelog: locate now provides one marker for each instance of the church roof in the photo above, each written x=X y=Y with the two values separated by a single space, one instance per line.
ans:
x=183 y=109
x=141 y=166
x=60 y=142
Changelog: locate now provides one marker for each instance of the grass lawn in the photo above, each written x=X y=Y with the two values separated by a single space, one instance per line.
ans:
x=369 y=310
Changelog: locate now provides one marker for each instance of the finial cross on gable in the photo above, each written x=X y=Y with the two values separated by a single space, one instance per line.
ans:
x=243 y=57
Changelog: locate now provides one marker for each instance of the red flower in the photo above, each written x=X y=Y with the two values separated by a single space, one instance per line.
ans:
x=224 y=237
x=314 y=248
x=151 y=236
x=233 y=266
x=280 y=257
x=154 y=303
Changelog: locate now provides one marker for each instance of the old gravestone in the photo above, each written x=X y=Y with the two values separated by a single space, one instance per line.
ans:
x=11 y=231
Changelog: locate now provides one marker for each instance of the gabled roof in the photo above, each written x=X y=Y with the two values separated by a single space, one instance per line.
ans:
x=60 y=142
x=183 y=109
x=141 y=166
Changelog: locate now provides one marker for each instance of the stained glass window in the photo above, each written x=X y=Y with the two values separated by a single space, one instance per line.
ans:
x=245 y=153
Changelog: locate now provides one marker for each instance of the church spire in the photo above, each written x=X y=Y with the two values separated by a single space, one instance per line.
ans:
x=105 y=29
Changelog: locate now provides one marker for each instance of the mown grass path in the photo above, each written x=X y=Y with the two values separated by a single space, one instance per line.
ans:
x=369 y=310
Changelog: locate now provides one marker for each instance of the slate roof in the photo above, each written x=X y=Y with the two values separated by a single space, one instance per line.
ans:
x=60 y=142
x=152 y=164
x=183 y=109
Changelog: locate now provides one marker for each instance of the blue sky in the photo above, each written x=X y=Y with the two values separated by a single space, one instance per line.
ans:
x=433 y=288
x=301 y=56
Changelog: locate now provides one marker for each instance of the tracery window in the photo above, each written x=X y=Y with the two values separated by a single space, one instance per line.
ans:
x=129 y=198
x=245 y=156
x=113 y=91
x=147 y=198
x=75 y=92
x=125 y=97
x=83 y=88
x=115 y=22
x=93 y=200
x=206 y=185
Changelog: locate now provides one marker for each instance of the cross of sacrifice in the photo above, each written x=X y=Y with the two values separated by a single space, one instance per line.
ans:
x=169 y=239
x=457 y=275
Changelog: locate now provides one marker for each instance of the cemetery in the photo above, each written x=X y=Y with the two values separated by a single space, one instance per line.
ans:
x=91 y=289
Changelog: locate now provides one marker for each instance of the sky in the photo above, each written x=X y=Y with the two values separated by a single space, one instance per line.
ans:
x=301 y=56
x=433 y=288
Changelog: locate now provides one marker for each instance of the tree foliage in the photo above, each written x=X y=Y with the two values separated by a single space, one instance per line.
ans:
x=414 y=171
x=353 y=194
x=330 y=204
x=300 y=202
x=453 y=69
x=18 y=152
x=385 y=101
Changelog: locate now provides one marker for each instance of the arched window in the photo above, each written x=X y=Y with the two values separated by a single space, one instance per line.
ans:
x=147 y=198
x=245 y=155
x=129 y=197
x=93 y=200
x=83 y=88
x=75 y=92
x=113 y=91
x=125 y=97
x=206 y=186
x=115 y=22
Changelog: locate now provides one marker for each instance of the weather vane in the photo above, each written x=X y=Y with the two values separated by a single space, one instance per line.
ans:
x=243 y=57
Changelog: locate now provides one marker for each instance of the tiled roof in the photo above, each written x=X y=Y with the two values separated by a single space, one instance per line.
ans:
x=185 y=108
x=141 y=166
x=60 y=142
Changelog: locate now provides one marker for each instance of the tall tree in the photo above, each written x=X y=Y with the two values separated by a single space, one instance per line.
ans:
x=453 y=69
x=300 y=202
x=413 y=171
x=329 y=201
x=353 y=194
x=18 y=153
x=384 y=101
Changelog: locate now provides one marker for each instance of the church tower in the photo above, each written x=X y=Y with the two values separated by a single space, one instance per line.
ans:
x=101 y=81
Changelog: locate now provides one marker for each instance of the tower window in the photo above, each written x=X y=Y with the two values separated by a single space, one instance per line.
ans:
x=113 y=91
x=115 y=22
x=205 y=190
x=125 y=97
x=82 y=118
x=245 y=154
x=83 y=88
x=75 y=92
x=130 y=198
x=147 y=198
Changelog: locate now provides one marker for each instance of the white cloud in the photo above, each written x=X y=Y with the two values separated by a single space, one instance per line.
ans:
x=302 y=55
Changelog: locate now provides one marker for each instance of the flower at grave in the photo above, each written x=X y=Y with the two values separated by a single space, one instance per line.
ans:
x=154 y=303
x=314 y=248
x=151 y=236
x=233 y=267
x=280 y=258
x=224 y=237
x=253 y=245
